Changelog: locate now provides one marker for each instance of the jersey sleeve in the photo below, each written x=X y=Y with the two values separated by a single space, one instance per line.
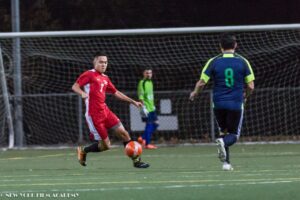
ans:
x=140 y=90
x=84 y=78
x=249 y=75
x=110 y=87
x=206 y=71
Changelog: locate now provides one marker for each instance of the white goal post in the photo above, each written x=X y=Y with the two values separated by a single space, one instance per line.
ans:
x=5 y=111
x=51 y=61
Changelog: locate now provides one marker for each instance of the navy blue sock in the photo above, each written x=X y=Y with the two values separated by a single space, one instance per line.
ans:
x=147 y=133
x=152 y=129
x=230 y=139
x=227 y=155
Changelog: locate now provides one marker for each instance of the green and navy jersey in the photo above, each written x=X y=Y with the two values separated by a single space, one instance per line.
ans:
x=230 y=72
x=145 y=93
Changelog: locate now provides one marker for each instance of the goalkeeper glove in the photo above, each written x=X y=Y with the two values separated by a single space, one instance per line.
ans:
x=144 y=112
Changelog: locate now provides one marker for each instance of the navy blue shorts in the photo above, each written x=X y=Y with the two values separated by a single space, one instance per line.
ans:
x=151 y=118
x=229 y=120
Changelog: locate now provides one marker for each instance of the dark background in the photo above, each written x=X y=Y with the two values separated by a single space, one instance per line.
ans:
x=43 y=15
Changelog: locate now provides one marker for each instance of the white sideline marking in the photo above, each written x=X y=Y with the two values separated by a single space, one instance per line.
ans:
x=159 y=155
x=248 y=181
x=250 y=173
x=40 y=175
x=31 y=178
x=35 y=157
x=153 y=187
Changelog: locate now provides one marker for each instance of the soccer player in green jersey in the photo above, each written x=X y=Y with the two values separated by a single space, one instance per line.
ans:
x=233 y=83
x=148 y=112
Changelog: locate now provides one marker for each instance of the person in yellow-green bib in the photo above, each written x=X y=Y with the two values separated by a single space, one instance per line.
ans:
x=148 y=111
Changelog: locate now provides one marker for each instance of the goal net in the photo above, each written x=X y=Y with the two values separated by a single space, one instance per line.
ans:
x=53 y=115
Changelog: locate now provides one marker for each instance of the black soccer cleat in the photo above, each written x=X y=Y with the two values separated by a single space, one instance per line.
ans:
x=137 y=163
x=141 y=164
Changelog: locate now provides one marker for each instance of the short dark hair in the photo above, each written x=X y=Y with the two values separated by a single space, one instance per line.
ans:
x=99 y=53
x=227 y=41
x=147 y=68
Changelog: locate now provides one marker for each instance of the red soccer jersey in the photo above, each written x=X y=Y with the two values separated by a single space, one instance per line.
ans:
x=95 y=85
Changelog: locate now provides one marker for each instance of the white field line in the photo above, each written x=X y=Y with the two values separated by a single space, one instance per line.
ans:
x=37 y=157
x=176 y=186
x=37 y=178
x=40 y=175
x=79 y=175
x=157 y=155
x=152 y=182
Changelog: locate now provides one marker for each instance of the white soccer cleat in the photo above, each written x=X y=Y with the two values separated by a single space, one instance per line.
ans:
x=221 y=149
x=227 y=167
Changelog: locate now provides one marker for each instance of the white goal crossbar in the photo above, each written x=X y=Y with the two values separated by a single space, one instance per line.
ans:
x=151 y=31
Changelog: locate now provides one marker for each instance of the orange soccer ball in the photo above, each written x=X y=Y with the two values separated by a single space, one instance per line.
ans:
x=133 y=149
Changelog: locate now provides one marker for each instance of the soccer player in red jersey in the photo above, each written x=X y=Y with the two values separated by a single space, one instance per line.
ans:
x=92 y=86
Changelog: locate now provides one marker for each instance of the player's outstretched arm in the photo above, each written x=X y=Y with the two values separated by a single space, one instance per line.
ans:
x=124 y=97
x=76 y=88
x=198 y=87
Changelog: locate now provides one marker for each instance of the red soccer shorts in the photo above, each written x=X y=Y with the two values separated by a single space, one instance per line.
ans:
x=100 y=122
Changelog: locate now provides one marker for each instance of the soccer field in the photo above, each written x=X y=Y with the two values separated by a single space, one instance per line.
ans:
x=194 y=172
